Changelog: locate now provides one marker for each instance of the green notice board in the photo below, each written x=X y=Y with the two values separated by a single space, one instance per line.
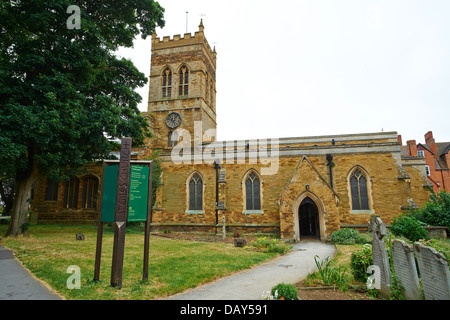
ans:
x=138 y=202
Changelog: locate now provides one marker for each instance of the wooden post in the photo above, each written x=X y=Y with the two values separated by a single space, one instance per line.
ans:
x=147 y=224
x=121 y=212
x=98 y=251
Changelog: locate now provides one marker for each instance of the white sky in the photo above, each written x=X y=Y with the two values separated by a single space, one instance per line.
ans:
x=293 y=68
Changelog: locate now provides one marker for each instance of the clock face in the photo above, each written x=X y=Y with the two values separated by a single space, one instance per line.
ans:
x=173 y=120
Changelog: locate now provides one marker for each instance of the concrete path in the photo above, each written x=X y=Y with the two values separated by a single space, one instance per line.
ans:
x=17 y=283
x=250 y=284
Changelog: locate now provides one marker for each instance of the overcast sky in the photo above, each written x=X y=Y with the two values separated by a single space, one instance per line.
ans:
x=294 y=68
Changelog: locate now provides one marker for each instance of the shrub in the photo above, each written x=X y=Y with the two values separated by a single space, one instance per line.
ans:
x=408 y=227
x=360 y=260
x=440 y=245
x=332 y=275
x=284 y=291
x=435 y=212
x=271 y=245
x=347 y=236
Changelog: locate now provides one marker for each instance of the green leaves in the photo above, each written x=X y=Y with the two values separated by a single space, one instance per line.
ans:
x=63 y=91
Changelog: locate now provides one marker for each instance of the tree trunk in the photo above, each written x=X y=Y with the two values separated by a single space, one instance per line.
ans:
x=19 y=210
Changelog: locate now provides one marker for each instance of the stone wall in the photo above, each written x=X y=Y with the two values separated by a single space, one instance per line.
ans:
x=43 y=211
x=282 y=191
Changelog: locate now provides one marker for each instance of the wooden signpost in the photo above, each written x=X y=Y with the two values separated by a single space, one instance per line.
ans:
x=127 y=197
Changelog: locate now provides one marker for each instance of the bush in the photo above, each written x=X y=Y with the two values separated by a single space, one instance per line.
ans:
x=283 y=291
x=360 y=260
x=435 y=212
x=331 y=275
x=440 y=245
x=271 y=245
x=347 y=236
x=409 y=227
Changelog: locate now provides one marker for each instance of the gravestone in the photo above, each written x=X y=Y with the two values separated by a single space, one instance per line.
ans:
x=379 y=254
x=434 y=273
x=405 y=269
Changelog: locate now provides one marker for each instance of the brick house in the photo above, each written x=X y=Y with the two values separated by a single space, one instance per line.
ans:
x=437 y=160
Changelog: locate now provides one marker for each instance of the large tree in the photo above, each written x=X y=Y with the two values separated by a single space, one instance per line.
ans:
x=63 y=90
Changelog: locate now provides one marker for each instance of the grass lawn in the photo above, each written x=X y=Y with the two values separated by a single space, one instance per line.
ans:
x=174 y=265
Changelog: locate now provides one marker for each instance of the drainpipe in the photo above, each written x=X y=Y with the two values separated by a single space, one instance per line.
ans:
x=217 y=167
x=330 y=166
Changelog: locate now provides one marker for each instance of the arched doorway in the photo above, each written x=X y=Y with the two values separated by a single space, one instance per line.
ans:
x=308 y=215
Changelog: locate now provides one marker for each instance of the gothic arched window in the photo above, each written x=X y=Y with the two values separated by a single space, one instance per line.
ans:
x=252 y=192
x=52 y=190
x=183 y=89
x=358 y=188
x=173 y=138
x=196 y=193
x=71 y=189
x=167 y=83
x=89 y=195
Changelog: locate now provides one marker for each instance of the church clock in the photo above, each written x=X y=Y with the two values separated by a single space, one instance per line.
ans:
x=173 y=120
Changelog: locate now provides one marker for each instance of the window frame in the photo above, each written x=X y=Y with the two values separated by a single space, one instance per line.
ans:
x=183 y=81
x=172 y=138
x=368 y=188
x=52 y=189
x=89 y=192
x=195 y=210
x=71 y=193
x=166 y=82
x=244 y=192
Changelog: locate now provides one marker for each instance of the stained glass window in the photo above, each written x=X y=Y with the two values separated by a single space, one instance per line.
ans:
x=253 y=194
x=358 y=186
x=196 y=193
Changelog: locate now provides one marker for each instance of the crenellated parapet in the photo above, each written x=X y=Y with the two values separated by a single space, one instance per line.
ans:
x=187 y=39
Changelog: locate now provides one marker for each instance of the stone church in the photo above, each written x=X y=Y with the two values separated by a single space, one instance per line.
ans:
x=293 y=187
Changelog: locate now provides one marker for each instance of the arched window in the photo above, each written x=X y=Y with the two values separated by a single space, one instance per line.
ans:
x=173 y=138
x=196 y=193
x=71 y=189
x=89 y=195
x=183 y=89
x=252 y=192
x=52 y=190
x=167 y=83
x=358 y=188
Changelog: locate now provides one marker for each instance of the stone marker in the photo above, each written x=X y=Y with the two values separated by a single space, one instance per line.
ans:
x=379 y=254
x=434 y=272
x=405 y=269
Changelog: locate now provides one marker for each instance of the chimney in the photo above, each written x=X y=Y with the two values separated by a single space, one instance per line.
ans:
x=412 y=148
x=429 y=140
x=399 y=139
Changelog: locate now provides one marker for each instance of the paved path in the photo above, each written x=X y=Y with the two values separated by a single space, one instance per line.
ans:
x=250 y=284
x=17 y=283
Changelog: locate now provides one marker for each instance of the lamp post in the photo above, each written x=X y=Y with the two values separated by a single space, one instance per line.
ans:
x=330 y=165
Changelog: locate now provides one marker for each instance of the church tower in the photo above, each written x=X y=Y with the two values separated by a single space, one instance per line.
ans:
x=182 y=90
